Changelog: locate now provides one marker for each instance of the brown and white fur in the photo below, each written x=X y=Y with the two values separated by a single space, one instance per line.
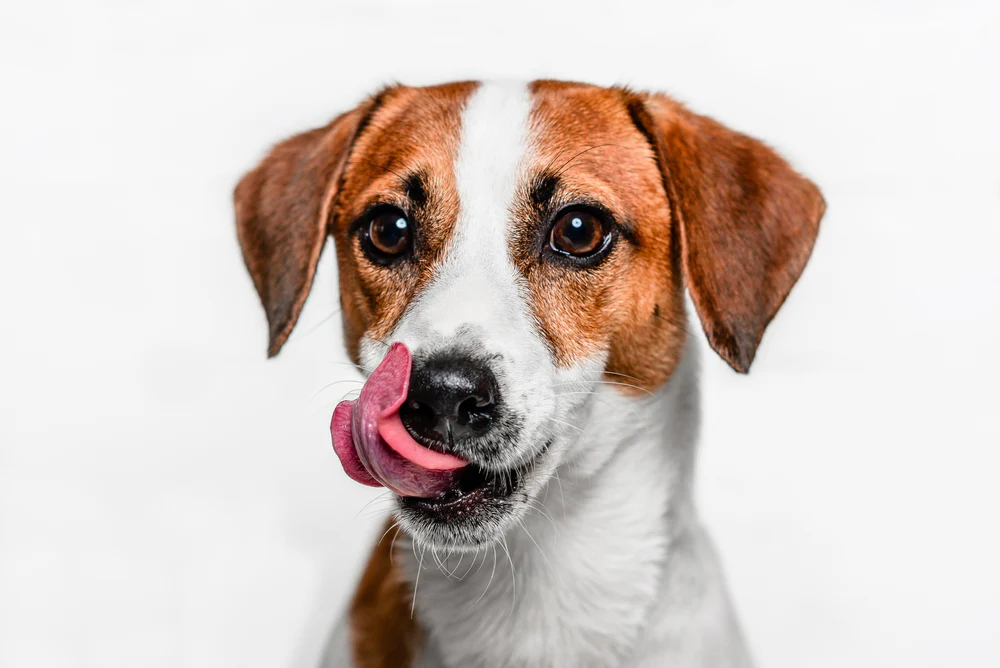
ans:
x=598 y=558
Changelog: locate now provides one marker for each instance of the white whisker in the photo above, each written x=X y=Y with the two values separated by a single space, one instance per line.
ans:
x=623 y=375
x=336 y=382
x=513 y=577
x=474 y=560
x=491 y=576
x=356 y=366
x=380 y=497
x=392 y=548
x=420 y=566
x=540 y=551
x=567 y=424
x=391 y=527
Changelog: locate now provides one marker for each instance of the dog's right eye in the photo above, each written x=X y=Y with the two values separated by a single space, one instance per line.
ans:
x=387 y=236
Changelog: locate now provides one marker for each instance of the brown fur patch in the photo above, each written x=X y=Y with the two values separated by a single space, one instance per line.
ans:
x=415 y=131
x=747 y=222
x=281 y=210
x=383 y=634
x=631 y=303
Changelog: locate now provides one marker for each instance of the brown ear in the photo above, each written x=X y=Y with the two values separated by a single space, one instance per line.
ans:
x=747 y=222
x=282 y=207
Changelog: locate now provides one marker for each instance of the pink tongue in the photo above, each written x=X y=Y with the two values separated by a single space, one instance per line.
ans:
x=374 y=446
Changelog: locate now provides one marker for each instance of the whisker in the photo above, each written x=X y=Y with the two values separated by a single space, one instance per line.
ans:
x=623 y=375
x=571 y=426
x=544 y=513
x=356 y=366
x=380 y=497
x=568 y=394
x=406 y=181
x=635 y=387
x=562 y=169
x=513 y=577
x=376 y=505
x=594 y=396
x=485 y=552
x=562 y=498
x=420 y=566
x=328 y=408
x=336 y=382
x=491 y=577
x=540 y=551
x=611 y=382
x=461 y=558
x=391 y=527
x=304 y=333
x=372 y=338
x=553 y=160
x=378 y=512
x=392 y=548
x=413 y=548
x=474 y=560
x=437 y=561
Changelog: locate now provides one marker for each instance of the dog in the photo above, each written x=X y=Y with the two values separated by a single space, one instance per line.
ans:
x=513 y=261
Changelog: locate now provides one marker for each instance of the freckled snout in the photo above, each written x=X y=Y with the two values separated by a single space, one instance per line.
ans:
x=452 y=399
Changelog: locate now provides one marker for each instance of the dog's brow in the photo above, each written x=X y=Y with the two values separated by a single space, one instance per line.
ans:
x=543 y=187
x=415 y=188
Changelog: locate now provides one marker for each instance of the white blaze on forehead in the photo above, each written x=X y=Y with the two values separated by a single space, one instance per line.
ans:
x=478 y=284
x=491 y=152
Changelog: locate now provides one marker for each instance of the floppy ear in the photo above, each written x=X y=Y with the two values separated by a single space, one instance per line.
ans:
x=746 y=221
x=282 y=211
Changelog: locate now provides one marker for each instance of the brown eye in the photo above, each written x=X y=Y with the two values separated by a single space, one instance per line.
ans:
x=578 y=233
x=389 y=233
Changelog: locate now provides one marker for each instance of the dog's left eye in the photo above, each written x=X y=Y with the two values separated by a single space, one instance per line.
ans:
x=387 y=235
x=579 y=233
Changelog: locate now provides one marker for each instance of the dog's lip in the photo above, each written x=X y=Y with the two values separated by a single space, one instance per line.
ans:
x=450 y=499
x=489 y=485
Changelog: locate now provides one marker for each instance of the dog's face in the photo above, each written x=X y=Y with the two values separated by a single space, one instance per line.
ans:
x=528 y=244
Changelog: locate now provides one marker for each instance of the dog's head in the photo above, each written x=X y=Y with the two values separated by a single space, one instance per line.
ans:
x=528 y=243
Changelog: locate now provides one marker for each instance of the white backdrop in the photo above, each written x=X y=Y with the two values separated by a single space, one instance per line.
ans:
x=170 y=498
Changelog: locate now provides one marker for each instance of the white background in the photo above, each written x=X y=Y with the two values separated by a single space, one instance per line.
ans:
x=170 y=498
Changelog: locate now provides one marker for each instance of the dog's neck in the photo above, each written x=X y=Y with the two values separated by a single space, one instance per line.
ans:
x=586 y=581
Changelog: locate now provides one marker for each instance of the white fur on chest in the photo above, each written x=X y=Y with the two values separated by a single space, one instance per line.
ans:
x=574 y=589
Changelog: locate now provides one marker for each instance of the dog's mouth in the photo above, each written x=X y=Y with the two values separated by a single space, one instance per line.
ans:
x=474 y=489
x=471 y=488
x=376 y=449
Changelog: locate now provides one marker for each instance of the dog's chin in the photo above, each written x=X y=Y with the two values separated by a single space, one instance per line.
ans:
x=479 y=509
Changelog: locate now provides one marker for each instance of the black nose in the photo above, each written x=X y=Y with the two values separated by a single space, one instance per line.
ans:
x=450 y=399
